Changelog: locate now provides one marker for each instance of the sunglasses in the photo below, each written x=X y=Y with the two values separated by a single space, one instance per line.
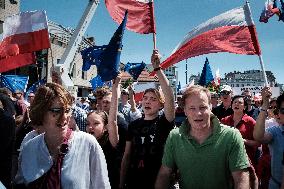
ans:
x=225 y=93
x=59 y=110
x=272 y=107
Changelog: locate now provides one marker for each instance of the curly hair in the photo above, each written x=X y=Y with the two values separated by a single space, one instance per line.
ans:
x=44 y=98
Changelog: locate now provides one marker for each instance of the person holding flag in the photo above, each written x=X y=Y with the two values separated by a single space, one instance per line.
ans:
x=147 y=135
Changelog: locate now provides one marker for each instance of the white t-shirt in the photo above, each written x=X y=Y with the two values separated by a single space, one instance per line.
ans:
x=84 y=166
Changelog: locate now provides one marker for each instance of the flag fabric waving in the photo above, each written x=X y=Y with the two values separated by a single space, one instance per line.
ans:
x=134 y=69
x=206 y=77
x=91 y=56
x=97 y=82
x=14 y=82
x=141 y=14
x=106 y=58
x=17 y=61
x=217 y=78
x=35 y=86
x=23 y=34
x=232 y=31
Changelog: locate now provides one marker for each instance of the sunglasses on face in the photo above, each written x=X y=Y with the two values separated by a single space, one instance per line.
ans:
x=59 y=110
x=225 y=93
x=272 y=107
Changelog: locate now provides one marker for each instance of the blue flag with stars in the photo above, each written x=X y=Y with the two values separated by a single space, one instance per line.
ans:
x=35 y=86
x=107 y=57
x=134 y=69
x=97 y=82
x=91 y=56
x=206 y=77
x=14 y=82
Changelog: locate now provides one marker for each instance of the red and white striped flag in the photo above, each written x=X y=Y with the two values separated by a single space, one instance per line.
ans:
x=140 y=14
x=232 y=31
x=23 y=34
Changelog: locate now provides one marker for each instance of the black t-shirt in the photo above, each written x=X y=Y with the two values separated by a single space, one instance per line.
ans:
x=113 y=160
x=7 y=137
x=221 y=112
x=148 y=138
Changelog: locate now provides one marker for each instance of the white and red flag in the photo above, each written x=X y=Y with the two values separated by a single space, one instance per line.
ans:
x=217 y=78
x=23 y=34
x=140 y=14
x=232 y=31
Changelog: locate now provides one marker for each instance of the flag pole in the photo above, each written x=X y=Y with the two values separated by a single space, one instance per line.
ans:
x=151 y=4
x=259 y=55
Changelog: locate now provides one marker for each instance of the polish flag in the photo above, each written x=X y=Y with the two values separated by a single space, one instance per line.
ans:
x=23 y=34
x=232 y=31
x=140 y=14
x=217 y=79
x=140 y=88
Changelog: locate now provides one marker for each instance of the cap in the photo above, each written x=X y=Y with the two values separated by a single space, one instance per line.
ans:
x=226 y=88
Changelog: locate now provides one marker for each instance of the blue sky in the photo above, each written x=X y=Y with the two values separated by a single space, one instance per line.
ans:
x=174 y=19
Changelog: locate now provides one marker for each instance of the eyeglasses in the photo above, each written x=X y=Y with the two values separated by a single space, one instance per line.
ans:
x=59 y=110
x=272 y=107
x=225 y=93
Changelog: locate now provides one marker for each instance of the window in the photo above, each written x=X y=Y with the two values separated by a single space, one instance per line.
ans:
x=243 y=85
x=237 y=85
x=84 y=75
x=2 y=4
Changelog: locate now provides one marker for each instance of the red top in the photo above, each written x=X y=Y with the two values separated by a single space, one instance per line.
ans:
x=245 y=126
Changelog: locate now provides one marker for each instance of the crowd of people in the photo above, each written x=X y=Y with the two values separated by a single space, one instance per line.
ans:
x=204 y=140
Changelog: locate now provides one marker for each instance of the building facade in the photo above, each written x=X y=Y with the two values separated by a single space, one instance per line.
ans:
x=59 y=38
x=8 y=8
x=248 y=78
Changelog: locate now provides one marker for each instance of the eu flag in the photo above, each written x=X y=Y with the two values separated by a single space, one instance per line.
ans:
x=206 y=76
x=134 y=69
x=35 y=86
x=107 y=57
x=14 y=82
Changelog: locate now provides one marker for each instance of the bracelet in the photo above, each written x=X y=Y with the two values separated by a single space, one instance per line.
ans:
x=158 y=68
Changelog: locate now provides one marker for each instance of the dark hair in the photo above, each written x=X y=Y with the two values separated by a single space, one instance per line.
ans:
x=279 y=100
x=102 y=114
x=240 y=96
x=8 y=104
x=101 y=92
x=44 y=98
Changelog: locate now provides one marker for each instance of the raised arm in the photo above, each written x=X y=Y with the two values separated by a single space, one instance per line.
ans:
x=169 y=106
x=131 y=99
x=259 y=133
x=112 y=118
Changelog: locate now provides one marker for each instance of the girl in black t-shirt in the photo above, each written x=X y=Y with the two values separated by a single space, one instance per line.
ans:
x=104 y=128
